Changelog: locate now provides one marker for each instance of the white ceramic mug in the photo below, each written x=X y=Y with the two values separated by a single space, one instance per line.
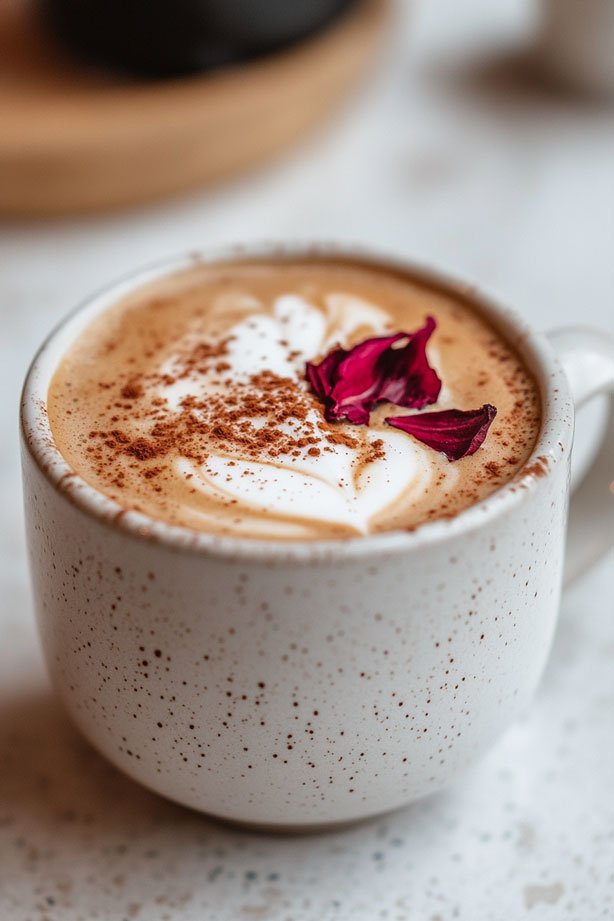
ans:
x=299 y=684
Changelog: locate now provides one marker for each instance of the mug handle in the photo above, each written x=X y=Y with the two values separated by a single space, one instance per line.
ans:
x=587 y=356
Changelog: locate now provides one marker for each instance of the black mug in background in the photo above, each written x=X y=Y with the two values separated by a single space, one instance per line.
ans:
x=172 y=37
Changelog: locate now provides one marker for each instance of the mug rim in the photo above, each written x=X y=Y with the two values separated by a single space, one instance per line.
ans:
x=552 y=445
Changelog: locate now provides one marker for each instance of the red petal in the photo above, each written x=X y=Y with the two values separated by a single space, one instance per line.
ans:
x=410 y=380
x=350 y=383
x=455 y=432
x=322 y=377
x=359 y=378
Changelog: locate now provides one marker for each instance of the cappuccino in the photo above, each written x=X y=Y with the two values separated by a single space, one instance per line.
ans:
x=191 y=401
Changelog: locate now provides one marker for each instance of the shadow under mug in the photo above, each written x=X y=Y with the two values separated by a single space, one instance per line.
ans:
x=295 y=685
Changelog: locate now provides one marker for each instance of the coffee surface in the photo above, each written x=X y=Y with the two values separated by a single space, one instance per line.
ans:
x=187 y=401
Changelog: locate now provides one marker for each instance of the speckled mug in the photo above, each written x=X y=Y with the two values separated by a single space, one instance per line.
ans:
x=299 y=684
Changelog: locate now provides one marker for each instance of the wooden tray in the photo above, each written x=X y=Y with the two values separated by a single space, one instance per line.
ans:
x=73 y=140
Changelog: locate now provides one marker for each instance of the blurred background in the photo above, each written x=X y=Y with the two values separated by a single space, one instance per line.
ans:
x=473 y=136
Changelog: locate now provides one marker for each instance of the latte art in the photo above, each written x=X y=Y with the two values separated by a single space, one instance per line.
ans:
x=302 y=486
x=341 y=492
x=193 y=403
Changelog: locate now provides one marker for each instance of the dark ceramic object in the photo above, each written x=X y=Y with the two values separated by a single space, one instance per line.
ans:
x=161 y=38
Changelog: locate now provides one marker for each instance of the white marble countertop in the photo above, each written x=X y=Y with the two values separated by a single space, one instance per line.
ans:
x=454 y=155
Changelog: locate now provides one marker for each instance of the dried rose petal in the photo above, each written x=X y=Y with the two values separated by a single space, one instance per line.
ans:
x=322 y=376
x=350 y=383
x=358 y=378
x=410 y=380
x=455 y=432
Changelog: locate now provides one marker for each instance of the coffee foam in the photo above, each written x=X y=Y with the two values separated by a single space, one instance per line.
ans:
x=229 y=344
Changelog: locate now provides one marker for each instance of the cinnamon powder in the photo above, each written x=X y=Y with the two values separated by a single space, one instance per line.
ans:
x=266 y=416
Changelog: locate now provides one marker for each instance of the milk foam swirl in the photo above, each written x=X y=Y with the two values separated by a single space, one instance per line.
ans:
x=187 y=402
x=295 y=493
